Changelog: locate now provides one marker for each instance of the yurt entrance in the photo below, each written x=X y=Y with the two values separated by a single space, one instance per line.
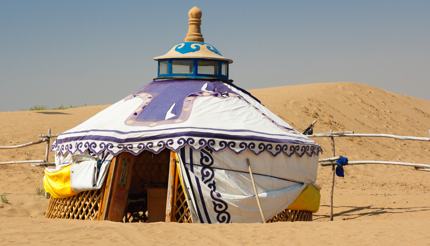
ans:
x=138 y=187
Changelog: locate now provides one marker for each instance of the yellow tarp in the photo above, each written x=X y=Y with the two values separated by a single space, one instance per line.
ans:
x=308 y=200
x=57 y=183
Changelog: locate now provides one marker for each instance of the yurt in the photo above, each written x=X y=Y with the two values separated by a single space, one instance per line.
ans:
x=191 y=146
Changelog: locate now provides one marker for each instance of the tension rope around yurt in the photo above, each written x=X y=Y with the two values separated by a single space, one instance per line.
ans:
x=188 y=147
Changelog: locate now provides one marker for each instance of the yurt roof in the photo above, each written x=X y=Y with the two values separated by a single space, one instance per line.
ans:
x=174 y=113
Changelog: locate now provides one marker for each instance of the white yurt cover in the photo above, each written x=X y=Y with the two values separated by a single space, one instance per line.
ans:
x=220 y=187
x=213 y=127
x=173 y=114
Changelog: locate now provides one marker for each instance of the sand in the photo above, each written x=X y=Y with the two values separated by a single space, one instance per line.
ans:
x=373 y=204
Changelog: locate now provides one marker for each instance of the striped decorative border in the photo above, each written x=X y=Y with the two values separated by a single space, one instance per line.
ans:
x=102 y=144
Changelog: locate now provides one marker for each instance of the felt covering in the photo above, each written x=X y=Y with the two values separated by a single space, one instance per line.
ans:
x=173 y=114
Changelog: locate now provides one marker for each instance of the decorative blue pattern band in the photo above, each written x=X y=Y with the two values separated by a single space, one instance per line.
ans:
x=177 y=143
x=188 y=47
x=213 y=49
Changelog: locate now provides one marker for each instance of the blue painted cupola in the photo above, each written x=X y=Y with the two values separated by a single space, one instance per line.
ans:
x=193 y=58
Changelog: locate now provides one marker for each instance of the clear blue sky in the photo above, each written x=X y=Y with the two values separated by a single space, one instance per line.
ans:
x=94 y=52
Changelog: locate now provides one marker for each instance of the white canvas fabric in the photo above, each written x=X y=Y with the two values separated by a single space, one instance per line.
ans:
x=62 y=160
x=87 y=172
x=195 y=117
x=83 y=175
x=220 y=187
x=234 y=121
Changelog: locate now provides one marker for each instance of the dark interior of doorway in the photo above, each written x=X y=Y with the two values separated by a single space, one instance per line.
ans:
x=148 y=189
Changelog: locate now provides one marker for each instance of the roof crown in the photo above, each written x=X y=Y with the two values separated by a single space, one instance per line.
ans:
x=193 y=45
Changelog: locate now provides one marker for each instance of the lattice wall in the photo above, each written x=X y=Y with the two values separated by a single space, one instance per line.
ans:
x=181 y=211
x=86 y=206
x=83 y=206
x=292 y=215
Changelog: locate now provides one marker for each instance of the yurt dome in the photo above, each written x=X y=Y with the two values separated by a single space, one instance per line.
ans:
x=193 y=58
x=188 y=147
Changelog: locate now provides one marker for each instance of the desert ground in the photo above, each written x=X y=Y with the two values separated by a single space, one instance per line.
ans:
x=377 y=205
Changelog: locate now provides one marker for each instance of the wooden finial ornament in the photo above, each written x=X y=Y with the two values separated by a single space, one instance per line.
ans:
x=194 y=33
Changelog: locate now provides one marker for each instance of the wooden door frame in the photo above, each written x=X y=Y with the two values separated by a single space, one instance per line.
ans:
x=170 y=202
x=115 y=194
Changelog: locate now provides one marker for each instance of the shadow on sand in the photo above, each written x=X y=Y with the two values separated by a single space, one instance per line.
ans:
x=354 y=212
x=51 y=112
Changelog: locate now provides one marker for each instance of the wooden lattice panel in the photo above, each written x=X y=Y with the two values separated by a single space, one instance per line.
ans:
x=292 y=215
x=181 y=211
x=83 y=206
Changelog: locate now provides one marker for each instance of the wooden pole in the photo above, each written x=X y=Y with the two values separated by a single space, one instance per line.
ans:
x=23 y=145
x=23 y=162
x=44 y=164
x=329 y=162
x=263 y=220
x=333 y=171
x=422 y=169
x=170 y=187
x=370 y=135
x=48 y=145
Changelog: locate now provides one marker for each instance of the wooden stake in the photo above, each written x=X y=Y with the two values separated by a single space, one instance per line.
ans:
x=333 y=170
x=48 y=145
x=171 y=187
x=263 y=220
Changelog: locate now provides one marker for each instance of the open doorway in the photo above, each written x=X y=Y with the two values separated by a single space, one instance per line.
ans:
x=148 y=188
x=136 y=188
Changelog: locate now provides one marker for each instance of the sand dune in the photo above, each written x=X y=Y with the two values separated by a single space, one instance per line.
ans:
x=373 y=204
